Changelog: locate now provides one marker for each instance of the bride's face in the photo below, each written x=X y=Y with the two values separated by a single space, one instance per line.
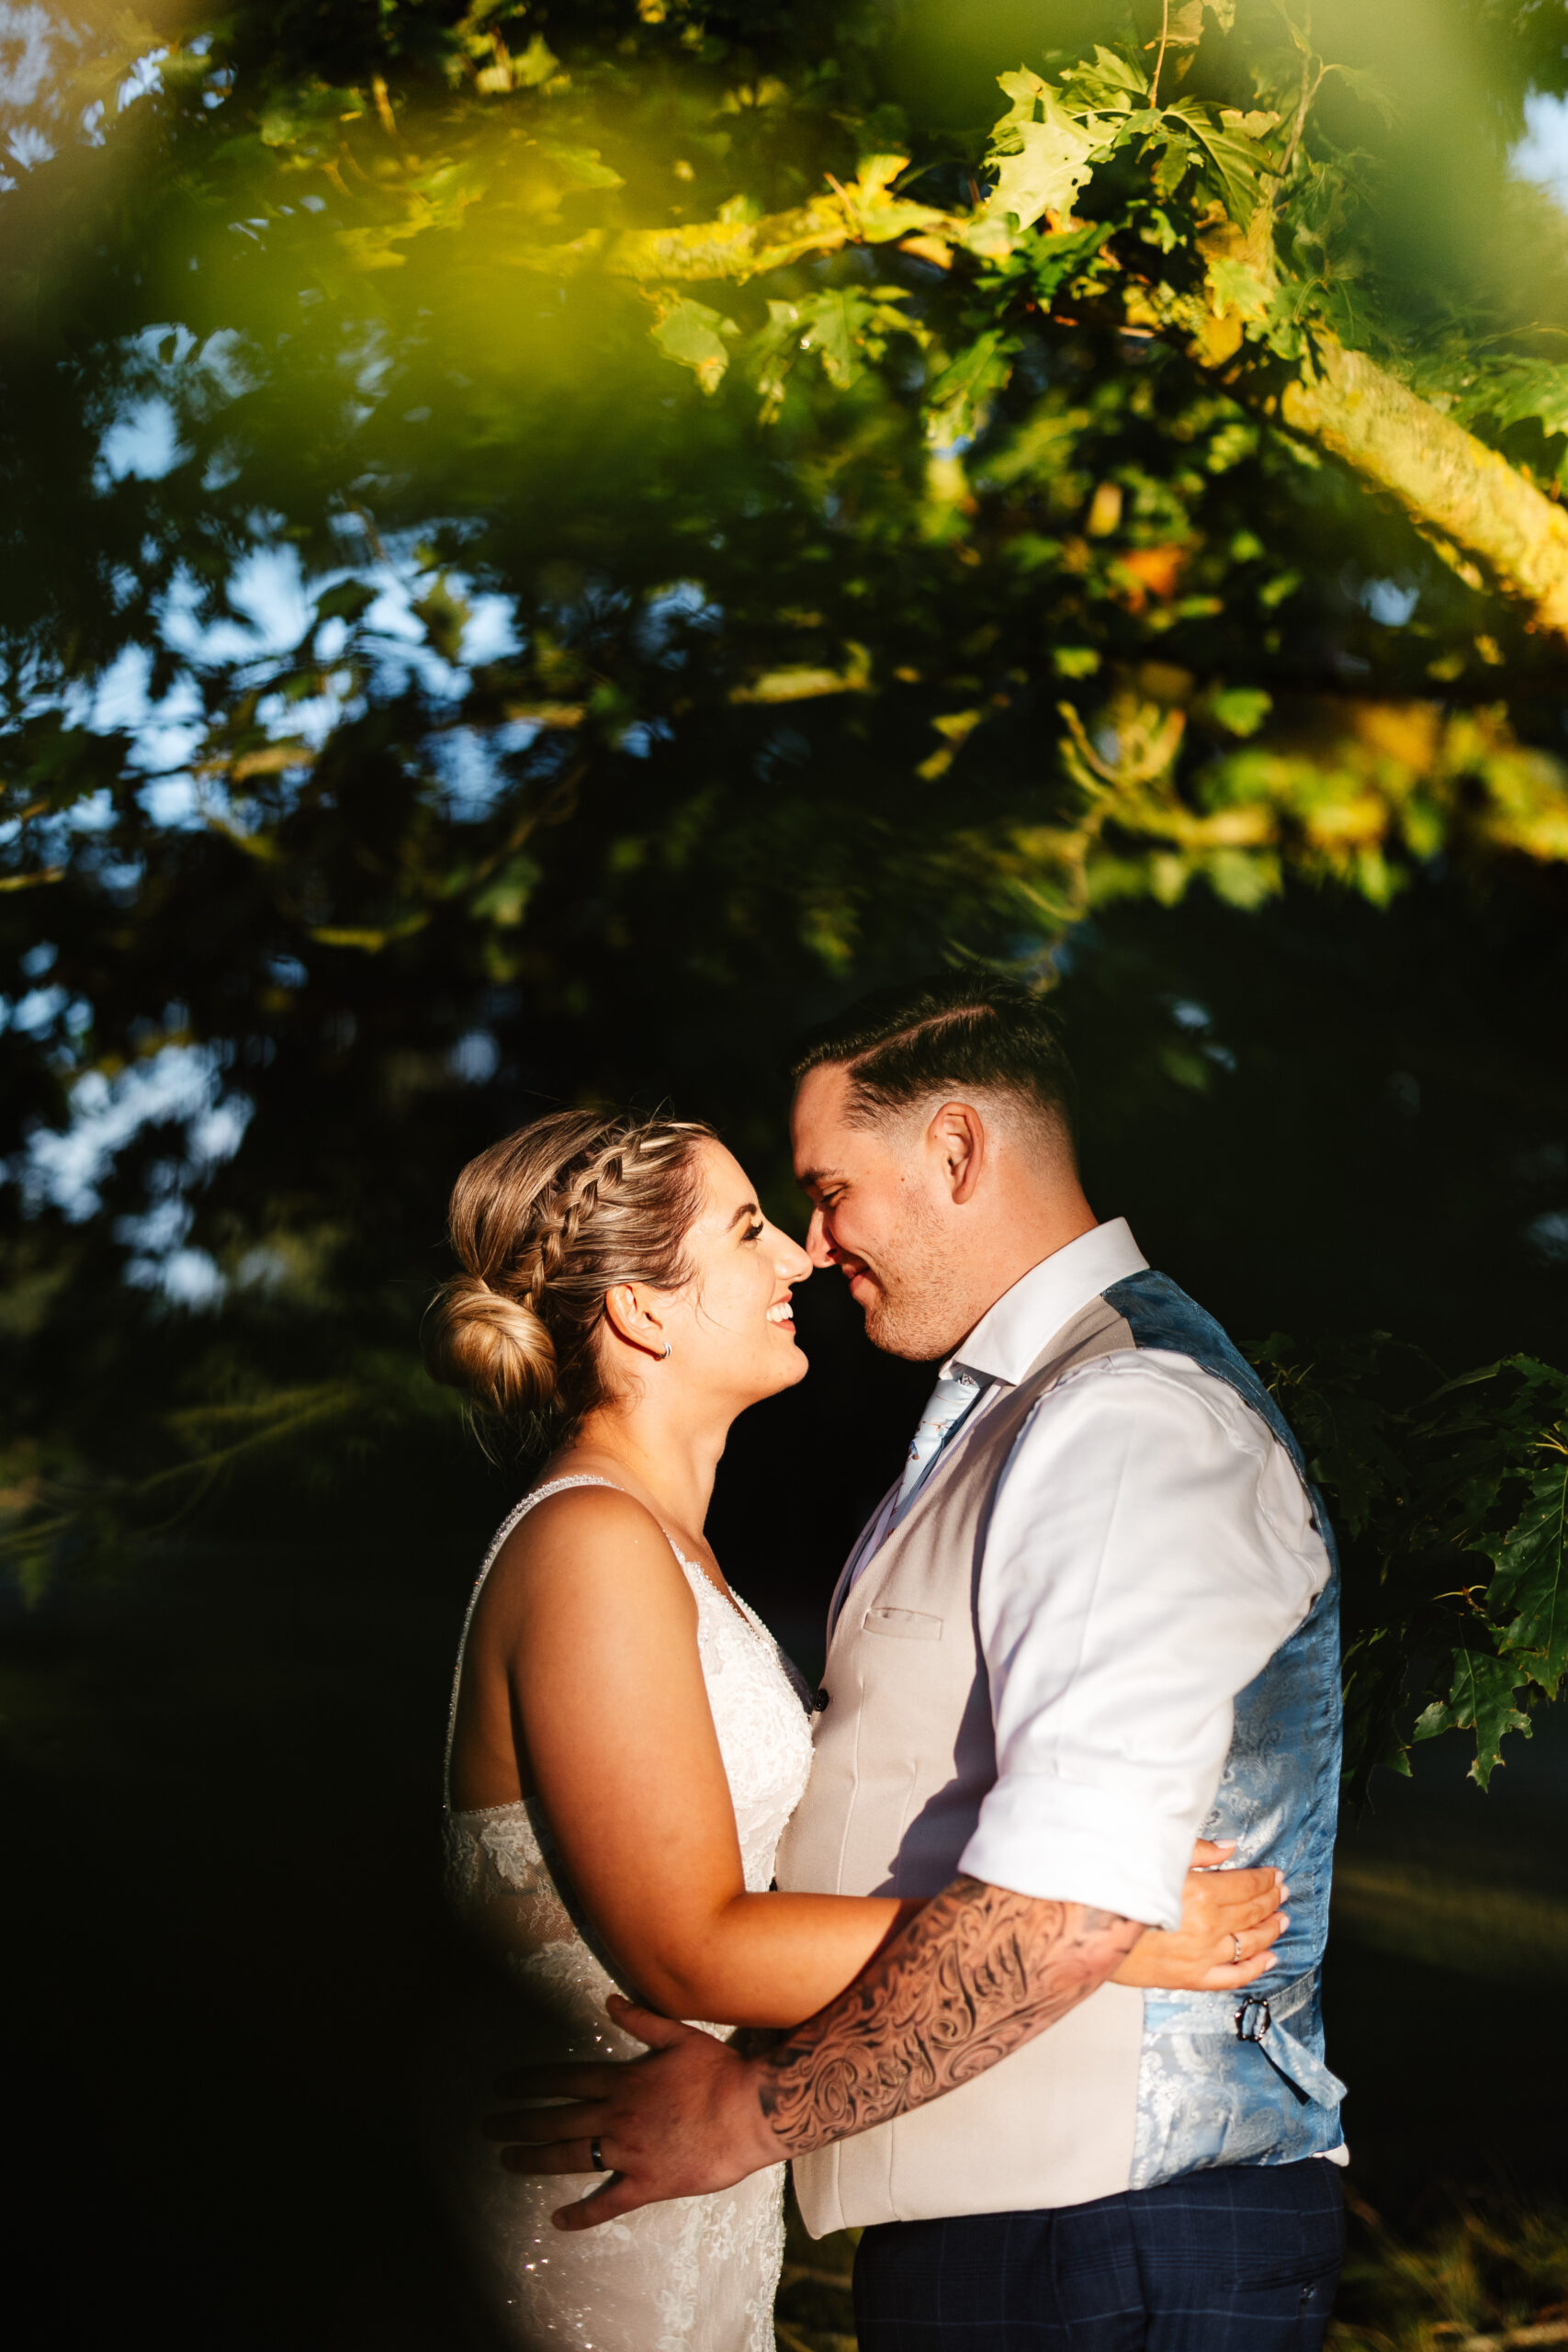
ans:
x=731 y=1327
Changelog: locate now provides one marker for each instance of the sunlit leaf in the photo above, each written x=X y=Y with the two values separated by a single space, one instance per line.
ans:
x=695 y=336
x=1241 y=711
x=1482 y=1700
x=1107 y=80
x=1041 y=164
x=1235 y=288
x=537 y=64
x=1236 y=166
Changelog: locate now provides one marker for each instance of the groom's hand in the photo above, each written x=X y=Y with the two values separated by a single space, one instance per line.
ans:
x=680 y=2122
x=976 y=1973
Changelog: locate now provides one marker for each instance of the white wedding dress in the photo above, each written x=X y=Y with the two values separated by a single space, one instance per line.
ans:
x=697 y=2275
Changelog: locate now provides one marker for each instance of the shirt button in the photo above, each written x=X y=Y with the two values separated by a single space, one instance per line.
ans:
x=821 y=1702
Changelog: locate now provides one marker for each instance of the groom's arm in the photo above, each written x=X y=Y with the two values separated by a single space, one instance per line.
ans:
x=977 y=1972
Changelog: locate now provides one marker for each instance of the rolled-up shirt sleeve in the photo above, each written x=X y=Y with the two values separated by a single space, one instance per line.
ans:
x=1150 y=1547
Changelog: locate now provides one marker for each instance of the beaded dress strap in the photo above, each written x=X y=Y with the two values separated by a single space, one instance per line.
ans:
x=551 y=1486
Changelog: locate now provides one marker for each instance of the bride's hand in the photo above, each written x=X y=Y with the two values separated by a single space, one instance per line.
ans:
x=1223 y=1913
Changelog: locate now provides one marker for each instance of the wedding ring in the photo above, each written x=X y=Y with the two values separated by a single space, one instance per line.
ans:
x=1234 y=1964
x=595 y=2157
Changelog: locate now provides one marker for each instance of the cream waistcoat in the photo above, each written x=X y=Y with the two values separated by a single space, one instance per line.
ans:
x=904 y=1755
x=1127 y=2090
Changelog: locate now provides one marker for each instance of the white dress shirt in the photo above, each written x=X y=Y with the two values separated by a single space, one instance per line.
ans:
x=1150 y=1547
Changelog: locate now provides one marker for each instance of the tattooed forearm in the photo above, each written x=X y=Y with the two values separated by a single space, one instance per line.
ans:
x=976 y=1974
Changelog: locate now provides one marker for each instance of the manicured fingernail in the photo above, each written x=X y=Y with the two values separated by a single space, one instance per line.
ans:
x=1284 y=1890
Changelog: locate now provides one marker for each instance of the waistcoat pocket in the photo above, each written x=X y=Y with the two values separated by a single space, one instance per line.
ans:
x=905 y=1624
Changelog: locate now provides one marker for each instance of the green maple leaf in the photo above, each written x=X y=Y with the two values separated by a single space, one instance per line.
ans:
x=845 y=328
x=1237 y=166
x=960 y=399
x=1040 y=166
x=1171 y=168
x=1235 y=288
x=1109 y=81
x=1533 y=1579
x=1537 y=390
x=1481 y=1700
x=834 y=325
x=693 y=334
x=1186 y=23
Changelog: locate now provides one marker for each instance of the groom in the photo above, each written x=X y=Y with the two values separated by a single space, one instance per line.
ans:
x=1095 y=1617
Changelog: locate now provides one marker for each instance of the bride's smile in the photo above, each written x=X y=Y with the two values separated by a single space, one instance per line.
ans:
x=730 y=1328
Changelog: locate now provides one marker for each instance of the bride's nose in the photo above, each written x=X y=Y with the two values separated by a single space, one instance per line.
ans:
x=793 y=1265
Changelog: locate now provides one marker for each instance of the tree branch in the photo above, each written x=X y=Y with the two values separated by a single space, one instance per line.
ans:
x=1159 y=61
x=1476 y=508
x=1481 y=514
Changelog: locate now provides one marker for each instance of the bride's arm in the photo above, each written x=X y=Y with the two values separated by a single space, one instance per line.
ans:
x=595 y=1628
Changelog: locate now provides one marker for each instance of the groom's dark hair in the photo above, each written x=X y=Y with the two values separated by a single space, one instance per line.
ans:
x=947 y=1034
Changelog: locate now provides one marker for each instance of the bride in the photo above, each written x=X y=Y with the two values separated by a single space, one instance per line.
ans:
x=626 y=1741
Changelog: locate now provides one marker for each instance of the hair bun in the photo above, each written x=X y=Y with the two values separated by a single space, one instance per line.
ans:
x=493 y=1346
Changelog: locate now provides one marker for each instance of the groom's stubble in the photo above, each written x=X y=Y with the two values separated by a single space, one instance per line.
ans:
x=921 y=1307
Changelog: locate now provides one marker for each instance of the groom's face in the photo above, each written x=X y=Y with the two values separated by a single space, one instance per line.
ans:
x=878 y=1206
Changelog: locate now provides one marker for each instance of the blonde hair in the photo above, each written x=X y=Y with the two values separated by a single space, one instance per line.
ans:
x=542 y=1225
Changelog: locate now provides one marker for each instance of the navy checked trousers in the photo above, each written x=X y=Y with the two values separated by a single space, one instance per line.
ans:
x=1244 y=2259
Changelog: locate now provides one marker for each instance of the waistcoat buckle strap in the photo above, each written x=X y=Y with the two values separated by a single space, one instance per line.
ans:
x=1253 y=2021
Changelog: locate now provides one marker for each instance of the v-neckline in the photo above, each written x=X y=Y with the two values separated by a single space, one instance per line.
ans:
x=731 y=1601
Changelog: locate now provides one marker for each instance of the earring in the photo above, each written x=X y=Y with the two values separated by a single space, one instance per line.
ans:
x=664 y=1358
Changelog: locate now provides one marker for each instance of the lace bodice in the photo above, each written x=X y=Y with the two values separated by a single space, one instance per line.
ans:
x=698 y=2275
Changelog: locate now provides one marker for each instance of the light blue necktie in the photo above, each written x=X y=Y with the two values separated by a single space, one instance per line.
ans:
x=951 y=1401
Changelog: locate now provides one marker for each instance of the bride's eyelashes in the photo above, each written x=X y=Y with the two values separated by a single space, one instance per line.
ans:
x=753 y=1232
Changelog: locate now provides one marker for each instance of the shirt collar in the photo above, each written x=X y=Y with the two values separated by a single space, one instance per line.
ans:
x=1012 y=1333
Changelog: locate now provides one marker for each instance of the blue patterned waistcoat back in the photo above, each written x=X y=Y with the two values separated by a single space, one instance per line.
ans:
x=1226 y=2079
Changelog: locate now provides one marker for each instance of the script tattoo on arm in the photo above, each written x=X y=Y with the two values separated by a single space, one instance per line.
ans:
x=976 y=1974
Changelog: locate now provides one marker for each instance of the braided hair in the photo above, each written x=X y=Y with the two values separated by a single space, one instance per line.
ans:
x=544 y=1224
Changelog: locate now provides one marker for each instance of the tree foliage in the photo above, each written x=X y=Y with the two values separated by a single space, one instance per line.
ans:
x=542 y=541
x=1451 y=1502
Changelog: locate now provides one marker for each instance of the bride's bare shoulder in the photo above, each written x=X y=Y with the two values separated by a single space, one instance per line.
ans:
x=584 y=1532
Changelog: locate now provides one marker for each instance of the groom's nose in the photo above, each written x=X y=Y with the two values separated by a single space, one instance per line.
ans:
x=817 y=1248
